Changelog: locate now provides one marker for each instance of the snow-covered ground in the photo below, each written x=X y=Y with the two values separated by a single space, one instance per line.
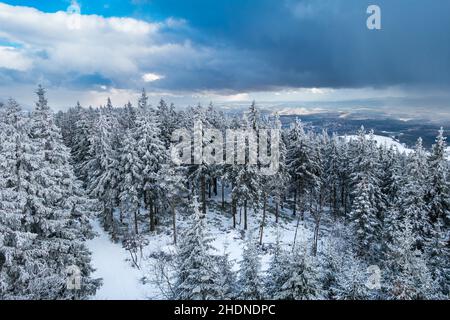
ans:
x=122 y=280
x=386 y=141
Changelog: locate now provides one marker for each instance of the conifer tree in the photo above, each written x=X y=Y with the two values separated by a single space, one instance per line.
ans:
x=277 y=274
x=250 y=282
x=226 y=277
x=351 y=279
x=408 y=277
x=196 y=278
x=39 y=247
x=302 y=278
x=103 y=166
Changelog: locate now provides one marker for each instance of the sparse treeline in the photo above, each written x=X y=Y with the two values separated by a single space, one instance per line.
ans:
x=394 y=207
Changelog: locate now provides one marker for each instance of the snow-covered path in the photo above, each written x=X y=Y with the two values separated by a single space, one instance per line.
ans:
x=120 y=280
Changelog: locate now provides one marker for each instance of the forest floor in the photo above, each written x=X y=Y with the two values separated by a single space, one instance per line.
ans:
x=124 y=280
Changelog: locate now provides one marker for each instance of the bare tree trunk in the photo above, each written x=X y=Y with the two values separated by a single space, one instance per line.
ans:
x=151 y=214
x=111 y=215
x=317 y=219
x=276 y=211
x=335 y=206
x=316 y=237
x=188 y=187
x=215 y=186
x=223 y=196
x=296 y=231
x=233 y=212
x=295 y=202
x=203 y=193
x=333 y=199
x=343 y=198
x=245 y=215
x=136 y=229
x=174 y=223
x=209 y=189
x=263 y=222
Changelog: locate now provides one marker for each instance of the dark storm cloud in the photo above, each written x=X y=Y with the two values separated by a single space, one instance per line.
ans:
x=267 y=44
x=227 y=46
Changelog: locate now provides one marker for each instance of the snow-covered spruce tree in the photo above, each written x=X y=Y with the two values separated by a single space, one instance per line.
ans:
x=411 y=202
x=171 y=183
x=364 y=221
x=199 y=173
x=408 y=277
x=64 y=197
x=196 y=278
x=143 y=155
x=226 y=277
x=216 y=121
x=103 y=166
x=331 y=262
x=247 y=178
x=81 y=142
x=152 y=153
x=351 y=278
x=301 y=164
x=303 y=281
x=58 y=176
x=390 y=174
x=278 y=183
x=66 y=121
x=368 y=205
x=229 y=172
x=437 y=198
x=331 y=173
x=128 y=118
x=344 y=168
x=277 y=273
x=318 y=191
x=48 y=238
x=131 y=181
x=250 y=281
x=18 y=161
x=167 y=119
x=438 y=194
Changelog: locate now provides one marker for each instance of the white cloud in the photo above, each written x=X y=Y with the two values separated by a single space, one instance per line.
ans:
x=117 y=49
x=11 y=58
x=150 y=77
x=319 y=90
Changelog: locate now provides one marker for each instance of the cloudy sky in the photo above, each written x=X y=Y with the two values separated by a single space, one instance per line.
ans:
x=300 y=52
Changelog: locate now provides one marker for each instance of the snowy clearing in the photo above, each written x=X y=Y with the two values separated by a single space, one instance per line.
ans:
x=120 y=279
x=384 y=141
x=123 y=281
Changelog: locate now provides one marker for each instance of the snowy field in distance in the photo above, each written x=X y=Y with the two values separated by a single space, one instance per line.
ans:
x=382 y=140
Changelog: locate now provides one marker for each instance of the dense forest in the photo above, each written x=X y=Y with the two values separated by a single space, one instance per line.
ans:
x=113 y=163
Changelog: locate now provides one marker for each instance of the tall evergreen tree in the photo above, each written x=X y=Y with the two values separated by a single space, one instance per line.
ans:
x=196 y=278
x=408 y=274
x=302 y=279
x=40 y=246
x=103 y=167
x=250 y=282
